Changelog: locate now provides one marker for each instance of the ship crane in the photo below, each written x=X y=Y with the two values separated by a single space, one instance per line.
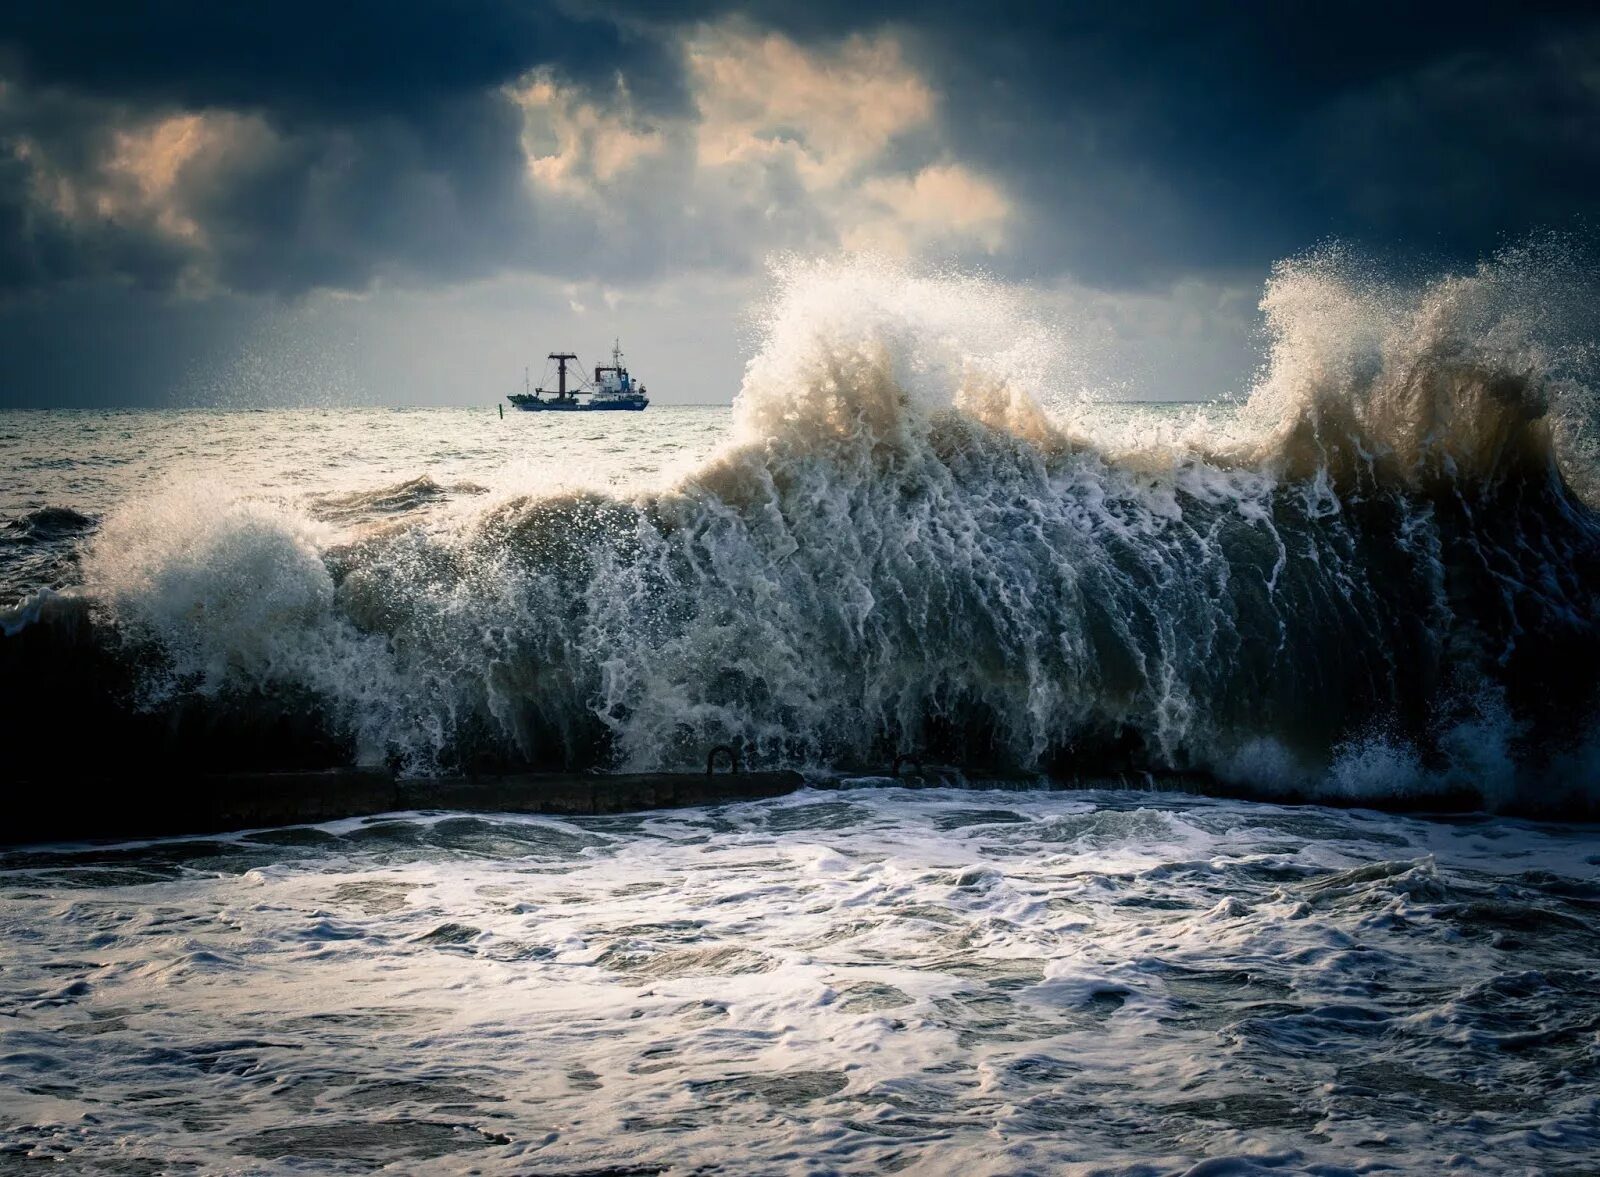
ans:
x=561 y=358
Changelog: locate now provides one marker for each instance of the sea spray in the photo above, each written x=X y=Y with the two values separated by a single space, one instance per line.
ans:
x=1376 y=582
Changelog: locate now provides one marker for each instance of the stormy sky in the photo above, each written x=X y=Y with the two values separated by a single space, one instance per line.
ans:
x=405 y=202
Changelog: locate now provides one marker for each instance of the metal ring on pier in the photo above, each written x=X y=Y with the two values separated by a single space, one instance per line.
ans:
x=902 y=759
x=730 y=752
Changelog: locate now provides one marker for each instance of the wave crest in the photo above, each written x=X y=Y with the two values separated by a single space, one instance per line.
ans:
x=1379 y=565
x=1462 y=380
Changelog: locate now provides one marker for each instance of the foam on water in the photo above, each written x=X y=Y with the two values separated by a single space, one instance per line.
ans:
x=864 y=981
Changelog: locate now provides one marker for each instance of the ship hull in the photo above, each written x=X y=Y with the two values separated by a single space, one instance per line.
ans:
x=551 y=407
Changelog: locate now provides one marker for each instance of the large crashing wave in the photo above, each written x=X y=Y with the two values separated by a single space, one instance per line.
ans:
x=1377 y=579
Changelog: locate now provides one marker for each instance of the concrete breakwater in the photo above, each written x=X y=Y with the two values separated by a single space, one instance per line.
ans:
x=124 y=806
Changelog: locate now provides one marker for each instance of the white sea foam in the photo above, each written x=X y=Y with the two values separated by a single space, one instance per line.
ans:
x=853 y=982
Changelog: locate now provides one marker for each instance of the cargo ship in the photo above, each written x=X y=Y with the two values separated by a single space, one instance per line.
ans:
x=613 y=389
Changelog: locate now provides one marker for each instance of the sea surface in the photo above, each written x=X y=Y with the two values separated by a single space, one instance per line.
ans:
x=856 y=981
x=1368 y=583
x=63 y=471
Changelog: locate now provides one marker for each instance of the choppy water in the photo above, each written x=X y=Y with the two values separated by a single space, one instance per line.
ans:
x=62 y=472
x=867 y=980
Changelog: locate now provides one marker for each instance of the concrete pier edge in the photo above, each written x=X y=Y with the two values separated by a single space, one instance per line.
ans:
x=139 y=805
x=103 y=807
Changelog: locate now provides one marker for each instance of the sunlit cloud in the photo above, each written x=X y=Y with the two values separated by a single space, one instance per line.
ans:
x=621 y=147
x=832 y=118
x=939 y=203
x=144 y=177
x=763 y=98
x=574 y=146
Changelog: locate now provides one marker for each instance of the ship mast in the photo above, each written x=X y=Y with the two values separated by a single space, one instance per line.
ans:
x=561 y=358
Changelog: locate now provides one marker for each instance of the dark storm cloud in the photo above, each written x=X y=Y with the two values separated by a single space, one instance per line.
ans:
x=1137 y=142
x=38 y=249
x=1200 y=138
x=1468 y=145
x=313 y=57
x=379 y=140
x=436 y=196
x=1147 y=139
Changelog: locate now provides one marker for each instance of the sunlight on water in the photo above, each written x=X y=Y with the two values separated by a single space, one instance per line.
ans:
x=876 y=980
x=93 y=461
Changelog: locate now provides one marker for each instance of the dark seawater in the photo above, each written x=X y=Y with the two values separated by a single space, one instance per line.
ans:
x=859 y=981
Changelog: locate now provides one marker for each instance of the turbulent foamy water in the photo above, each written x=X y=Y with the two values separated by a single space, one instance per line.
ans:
x=869 y=980
x=1373 y=579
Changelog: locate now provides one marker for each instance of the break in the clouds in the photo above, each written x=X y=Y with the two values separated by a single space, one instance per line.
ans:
x=204 y=153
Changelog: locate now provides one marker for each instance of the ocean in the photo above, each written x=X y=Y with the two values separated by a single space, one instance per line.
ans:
x=344 y=469
x=1316 y=661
